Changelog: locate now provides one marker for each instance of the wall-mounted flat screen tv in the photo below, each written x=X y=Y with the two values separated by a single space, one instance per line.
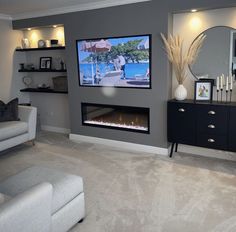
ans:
x=115 y=62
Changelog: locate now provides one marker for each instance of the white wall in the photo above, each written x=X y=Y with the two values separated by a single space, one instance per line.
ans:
x=10 y=80
x=190 y=25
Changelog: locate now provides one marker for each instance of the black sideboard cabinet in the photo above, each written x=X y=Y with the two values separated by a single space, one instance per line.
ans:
x=209 y=125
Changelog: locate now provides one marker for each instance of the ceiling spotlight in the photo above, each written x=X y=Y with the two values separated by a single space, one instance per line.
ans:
x=194 y=10
x=29 y=29
x=54 y=26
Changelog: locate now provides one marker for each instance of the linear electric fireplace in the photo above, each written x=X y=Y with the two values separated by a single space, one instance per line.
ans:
x=116 y=117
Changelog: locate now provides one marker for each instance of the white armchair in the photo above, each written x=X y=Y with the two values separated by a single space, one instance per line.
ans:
x=13 y=133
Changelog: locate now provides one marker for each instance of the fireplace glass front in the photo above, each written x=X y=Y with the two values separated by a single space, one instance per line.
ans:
x=116 y=117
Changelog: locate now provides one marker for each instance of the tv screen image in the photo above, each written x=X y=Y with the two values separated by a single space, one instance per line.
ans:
x=115 y=62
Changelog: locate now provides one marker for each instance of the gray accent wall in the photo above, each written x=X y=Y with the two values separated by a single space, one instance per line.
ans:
x=151 y=17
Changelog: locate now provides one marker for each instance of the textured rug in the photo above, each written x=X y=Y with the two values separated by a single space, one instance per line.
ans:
x=136 y=192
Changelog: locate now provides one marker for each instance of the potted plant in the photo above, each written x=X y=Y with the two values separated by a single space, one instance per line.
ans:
x=181 y=60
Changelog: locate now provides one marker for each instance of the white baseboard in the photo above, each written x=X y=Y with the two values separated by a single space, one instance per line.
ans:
x=55 y=129
x=120 y=144
x=207 y=152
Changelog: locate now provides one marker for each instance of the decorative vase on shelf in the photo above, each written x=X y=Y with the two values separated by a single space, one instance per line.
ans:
x=180 y=93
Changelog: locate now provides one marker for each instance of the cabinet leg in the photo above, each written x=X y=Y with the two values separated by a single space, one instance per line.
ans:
x=176 y=147
x=172 y=149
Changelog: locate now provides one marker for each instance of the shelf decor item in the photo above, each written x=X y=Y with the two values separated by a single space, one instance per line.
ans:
x=181 y=60
x=203 y=90
x=41 y=43
x=45 y=63
x=27 y=80
x=227 y=81
x=25 y=43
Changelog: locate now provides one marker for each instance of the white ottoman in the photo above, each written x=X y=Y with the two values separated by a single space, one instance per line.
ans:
x=68 y=205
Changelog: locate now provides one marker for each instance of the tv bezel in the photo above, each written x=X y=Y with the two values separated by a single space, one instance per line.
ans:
x=115 y=37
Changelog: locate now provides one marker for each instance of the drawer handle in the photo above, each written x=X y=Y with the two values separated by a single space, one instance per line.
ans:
x=211 y=140
x=211 y=126
x=181 y=110
x=212 y=112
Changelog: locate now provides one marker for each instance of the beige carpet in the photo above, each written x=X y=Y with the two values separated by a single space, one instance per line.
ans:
x=135 y=192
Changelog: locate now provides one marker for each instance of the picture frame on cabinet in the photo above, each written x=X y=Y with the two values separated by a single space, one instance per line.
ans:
x=203 y=90
x=45 y=63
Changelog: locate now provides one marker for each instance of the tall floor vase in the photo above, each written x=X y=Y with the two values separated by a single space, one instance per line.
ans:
x=180 y=93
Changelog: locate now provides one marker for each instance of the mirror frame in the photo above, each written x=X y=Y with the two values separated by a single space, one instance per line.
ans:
x=203 y=32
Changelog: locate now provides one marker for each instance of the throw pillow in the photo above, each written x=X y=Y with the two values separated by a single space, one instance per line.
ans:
x=9 y=111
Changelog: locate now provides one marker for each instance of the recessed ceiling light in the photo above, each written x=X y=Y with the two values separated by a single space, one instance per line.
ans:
x=194 y=10
x=54 y=26
x=29 y=29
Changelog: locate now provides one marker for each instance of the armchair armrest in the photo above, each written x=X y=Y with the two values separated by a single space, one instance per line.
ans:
x=28 y=211
x=29 y=114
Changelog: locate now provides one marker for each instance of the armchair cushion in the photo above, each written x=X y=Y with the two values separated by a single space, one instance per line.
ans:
x=12 y=128
x=9 y=111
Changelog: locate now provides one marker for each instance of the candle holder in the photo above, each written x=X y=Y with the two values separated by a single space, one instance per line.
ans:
x=230 y=95
x=226 y=96
x=221 y=95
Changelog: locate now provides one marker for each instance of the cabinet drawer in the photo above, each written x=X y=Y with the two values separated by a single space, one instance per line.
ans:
x=181 y=123
x=212 y=126
x=210 y=112
x=212 y=119
x=212 y=141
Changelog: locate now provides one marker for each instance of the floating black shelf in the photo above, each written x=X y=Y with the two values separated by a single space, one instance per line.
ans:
x=41 y=70
x=38 y=90
x=40 y=49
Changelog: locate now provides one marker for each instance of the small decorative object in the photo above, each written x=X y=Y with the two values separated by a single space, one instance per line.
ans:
x=30 y=67
x=231 y=86
x=227 y=88
x=47 y=42
x=45 y=63
x=22 y=66
x=60 y=83
x=25 y=43
x=181 y=60
x=27 y=81
x=180 y=93
x=41 y=43
x=43 y=86
x=203 y=90
x=54 y=42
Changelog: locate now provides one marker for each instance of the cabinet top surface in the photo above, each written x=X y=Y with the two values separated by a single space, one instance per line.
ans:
x=213 y=103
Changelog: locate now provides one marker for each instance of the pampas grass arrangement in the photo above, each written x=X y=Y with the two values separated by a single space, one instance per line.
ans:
x=180 y=59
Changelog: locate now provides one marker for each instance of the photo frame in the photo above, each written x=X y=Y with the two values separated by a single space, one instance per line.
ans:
x=203 y=90
x=45 y=63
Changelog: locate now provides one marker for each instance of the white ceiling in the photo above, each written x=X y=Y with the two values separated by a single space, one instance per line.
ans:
x=19 y=9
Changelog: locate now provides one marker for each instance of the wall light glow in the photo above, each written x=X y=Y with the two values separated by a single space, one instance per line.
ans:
x=60 y=35
x=194 y=10
x=195 y=23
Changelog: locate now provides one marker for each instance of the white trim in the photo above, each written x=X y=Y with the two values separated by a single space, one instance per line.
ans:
x=75 y=8
x=55 y=129
x=207 y=152
x=120 y=144
x=5 y=17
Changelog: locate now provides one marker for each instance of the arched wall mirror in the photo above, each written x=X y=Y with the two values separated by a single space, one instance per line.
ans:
x=217 y=55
